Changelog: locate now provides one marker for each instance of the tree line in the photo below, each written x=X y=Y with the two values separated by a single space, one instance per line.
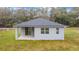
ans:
x=9 y=16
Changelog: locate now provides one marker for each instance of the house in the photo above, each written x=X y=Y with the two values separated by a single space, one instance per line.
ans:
x=39 y=29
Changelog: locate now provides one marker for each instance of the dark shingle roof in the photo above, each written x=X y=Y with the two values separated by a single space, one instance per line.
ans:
x=39 y=22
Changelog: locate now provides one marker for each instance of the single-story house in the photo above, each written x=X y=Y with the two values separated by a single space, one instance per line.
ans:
x=39 y=29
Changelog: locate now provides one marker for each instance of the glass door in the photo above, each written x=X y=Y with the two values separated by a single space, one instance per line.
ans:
x=29 y=31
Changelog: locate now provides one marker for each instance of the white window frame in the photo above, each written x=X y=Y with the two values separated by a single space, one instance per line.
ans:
x=44 y=30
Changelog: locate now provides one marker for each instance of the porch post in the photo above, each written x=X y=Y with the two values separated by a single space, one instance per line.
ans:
x=22 y=31
x=16 y=34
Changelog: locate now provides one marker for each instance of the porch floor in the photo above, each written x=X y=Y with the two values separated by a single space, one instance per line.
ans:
x=26 y=38
x=30 y=38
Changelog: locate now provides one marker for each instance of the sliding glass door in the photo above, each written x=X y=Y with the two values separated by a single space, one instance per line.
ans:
x=29 y=31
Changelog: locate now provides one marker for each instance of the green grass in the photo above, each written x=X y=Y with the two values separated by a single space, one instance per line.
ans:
x=8 y=42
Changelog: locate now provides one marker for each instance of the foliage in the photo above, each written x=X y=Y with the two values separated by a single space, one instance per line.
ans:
x=11 y=16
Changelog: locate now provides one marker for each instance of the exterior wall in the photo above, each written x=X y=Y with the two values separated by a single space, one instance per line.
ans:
x=38 y=36
x=52 y=34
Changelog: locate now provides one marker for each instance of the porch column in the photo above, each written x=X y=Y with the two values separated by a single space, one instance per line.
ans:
x=23 y=31
x=16 y=34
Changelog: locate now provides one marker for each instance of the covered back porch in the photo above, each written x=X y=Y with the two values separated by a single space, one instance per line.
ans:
x=25 y=33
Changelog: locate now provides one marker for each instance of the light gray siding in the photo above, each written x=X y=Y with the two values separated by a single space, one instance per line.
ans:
x=52 y=34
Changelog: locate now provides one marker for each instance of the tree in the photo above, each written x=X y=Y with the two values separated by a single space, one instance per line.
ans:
x=10 y=16
x=5 y=15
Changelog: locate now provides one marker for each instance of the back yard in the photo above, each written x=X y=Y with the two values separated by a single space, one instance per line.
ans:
x=8 y=42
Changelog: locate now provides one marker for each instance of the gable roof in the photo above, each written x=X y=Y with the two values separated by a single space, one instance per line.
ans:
x=40 y=22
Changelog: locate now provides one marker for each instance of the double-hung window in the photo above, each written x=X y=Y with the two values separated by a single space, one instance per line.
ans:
x=44 y=30
x=57 y=30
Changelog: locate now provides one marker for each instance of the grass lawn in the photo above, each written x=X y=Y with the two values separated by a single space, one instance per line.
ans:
x=8 y=42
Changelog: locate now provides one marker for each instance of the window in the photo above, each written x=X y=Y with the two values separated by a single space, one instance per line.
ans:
x=57 y=30
x=44 y=30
